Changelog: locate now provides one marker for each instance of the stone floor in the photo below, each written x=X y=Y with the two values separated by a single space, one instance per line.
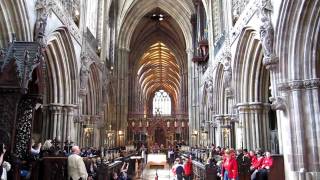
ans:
x=150 y=174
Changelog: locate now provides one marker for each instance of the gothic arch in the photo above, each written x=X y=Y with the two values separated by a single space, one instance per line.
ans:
x=297 y=40
x=251 y=84
x=139 y=8
x=14 y=19
x=220 y=90
x=297 y=46
x=250 y=75
x=62 y=69
x=92 y=102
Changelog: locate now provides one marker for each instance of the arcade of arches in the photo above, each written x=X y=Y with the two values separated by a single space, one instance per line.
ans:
x=113 y=73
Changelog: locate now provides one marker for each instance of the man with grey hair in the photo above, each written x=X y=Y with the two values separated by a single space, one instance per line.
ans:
x=76 y=167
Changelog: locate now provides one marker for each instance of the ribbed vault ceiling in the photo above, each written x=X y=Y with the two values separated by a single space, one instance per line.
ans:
x=158 y=69
x=158 y=51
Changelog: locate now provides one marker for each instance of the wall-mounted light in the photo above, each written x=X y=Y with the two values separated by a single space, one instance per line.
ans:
x=195 y=132
x=121 y=133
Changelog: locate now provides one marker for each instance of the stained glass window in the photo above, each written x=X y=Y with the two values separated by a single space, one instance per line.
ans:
x=161 y=103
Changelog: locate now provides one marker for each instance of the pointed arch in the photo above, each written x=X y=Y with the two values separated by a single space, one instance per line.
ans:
x=14 y=18
x=250 y=75
x=298 y=25
x=92 y=102
x=129 y=21
x=62 y=70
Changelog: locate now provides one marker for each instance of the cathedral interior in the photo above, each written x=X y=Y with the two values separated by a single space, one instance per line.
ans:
x=117 y=75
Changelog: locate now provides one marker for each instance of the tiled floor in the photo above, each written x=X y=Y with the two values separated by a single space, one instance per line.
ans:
x=150 y=174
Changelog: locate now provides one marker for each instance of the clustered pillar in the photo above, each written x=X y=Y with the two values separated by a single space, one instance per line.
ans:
x=254 y=119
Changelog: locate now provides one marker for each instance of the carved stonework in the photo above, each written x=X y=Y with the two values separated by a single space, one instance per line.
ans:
x=312 y=83
x=19 y=62
x=84 y=73
x=267 y=35
x=296 y=85
x=43 y=8
x=67 y=21
x=270 y=62
x=252 y=107
x=209 y=90
x=227 y=73
x=278 y=103
x=24 y=124
x=244 y=18
x=299 y=84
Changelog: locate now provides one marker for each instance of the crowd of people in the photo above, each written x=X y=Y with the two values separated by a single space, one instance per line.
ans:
x=82 y=163
x=222 y=164
x=227 y=164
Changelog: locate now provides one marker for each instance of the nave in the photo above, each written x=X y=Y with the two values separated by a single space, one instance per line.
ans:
x=86 y=85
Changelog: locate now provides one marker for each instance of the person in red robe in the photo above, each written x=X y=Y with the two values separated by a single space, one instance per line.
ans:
x=267 y=161
x=229 y=166
x=188 y=168
x=256 y=165
x=265 y=166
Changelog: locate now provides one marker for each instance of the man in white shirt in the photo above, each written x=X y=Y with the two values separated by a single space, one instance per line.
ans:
x=76 y=167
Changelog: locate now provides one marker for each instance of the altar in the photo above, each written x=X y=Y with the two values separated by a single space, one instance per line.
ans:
x=157 y=160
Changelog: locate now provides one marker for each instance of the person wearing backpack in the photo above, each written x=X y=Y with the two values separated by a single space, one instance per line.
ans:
x=180 y=170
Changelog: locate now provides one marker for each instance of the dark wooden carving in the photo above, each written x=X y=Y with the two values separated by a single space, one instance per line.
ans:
x=24 y=123
x=8 y=105
x=16 y=67
x=54 y=168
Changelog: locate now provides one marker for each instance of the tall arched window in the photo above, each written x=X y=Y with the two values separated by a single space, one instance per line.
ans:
x=161 y=103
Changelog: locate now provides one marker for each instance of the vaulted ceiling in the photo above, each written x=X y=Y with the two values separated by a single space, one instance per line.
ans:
x=158 y=69
x=158 y=33
x=158 y=54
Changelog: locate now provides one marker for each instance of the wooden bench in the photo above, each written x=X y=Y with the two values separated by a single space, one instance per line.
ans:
x=277 y=170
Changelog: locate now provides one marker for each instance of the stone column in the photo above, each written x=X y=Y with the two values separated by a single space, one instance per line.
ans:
x=55 y=111
x=45 y=123
x=192 y=119
x=219 y=137
x=122 y=93
x=68 y=127
x=254 y=118
x=300 y=122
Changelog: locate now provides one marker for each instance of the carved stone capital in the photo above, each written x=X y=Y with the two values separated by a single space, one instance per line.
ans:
x=283 y=87
x=69 y=109
x=55 y=108
x=218 y=118
x=296 y=85
x=312 y=83
x=270 y=62
x=299 y=84
x=229 y=92
x=278 y=103
x=252 y=107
